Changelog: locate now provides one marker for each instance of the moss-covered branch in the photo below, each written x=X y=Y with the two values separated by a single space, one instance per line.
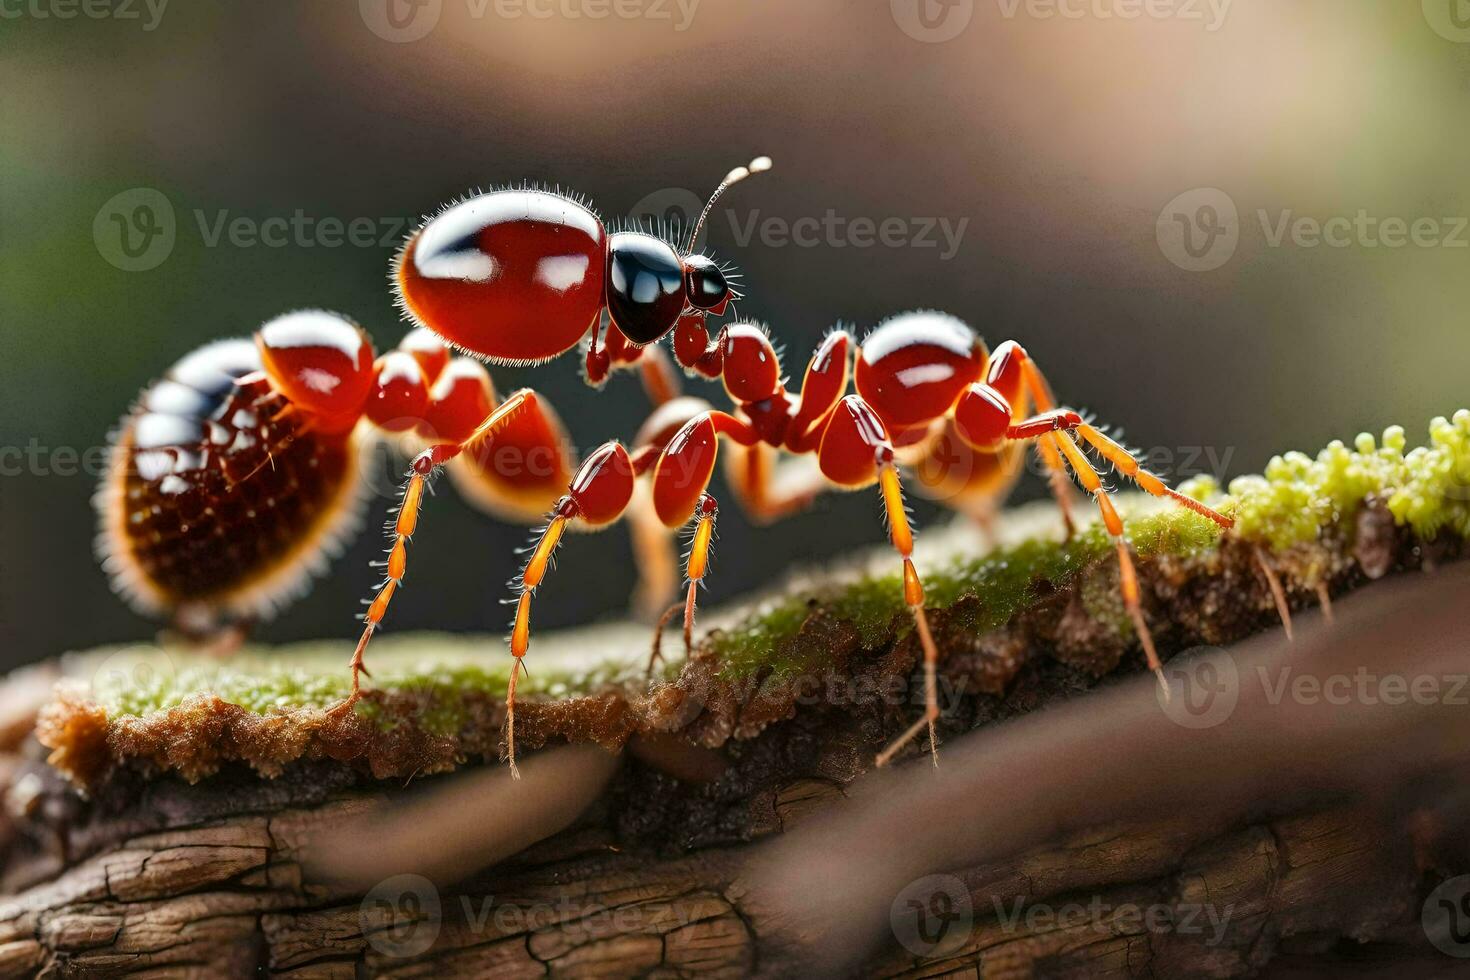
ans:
x=1324 y=524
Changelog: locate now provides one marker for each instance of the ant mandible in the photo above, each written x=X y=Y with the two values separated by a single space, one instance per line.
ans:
x=237 y=474
x=927 y=394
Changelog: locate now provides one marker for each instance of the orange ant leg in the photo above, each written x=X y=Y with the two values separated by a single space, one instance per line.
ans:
x=425 y=465
x=1009 y=360
x=768 y=490
x=855 y=451
x=902 y=538
x=1056 y=427
x=1124 y=462
x=1091 y=481
x=598 y=495
x=697 y=564
x=660 y=381
x=681 y=479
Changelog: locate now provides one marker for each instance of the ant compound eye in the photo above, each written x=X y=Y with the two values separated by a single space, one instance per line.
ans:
x=705 y=285
x=645 y=286
x=321 y=361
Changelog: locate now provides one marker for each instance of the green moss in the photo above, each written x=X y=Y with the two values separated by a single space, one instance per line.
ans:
x=1427 y=488
x=137 y=680
x=1293 y=502
x=1004 y=582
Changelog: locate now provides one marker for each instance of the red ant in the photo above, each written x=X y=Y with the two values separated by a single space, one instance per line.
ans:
x=235 y=475
x=523 y=275
x=927 y=394
x=238 y=472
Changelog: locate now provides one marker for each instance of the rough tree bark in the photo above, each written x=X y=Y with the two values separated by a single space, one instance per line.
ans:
x=1297 y=836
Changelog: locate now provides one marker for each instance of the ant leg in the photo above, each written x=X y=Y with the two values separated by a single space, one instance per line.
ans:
x=769 y=490
x=654 y=557
x=1278 y=594
x=1016 y=377
x=598 y=494
x=681 y=477
x=520 y=635
x=1056 y=426
x=660 y=381
x=1056 y=470
x=1124 y=462
x=697 y=564
x=655 y=655
x=1128 y=575
x=424 y=467
x=902 y=537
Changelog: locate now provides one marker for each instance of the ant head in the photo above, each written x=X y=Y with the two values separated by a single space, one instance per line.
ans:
x=705 y=285
x=321 y=361
x=650 y=284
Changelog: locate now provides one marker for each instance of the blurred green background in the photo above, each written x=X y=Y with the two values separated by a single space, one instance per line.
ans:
x=1059 y=135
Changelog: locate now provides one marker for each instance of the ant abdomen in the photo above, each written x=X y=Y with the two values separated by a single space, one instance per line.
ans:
x=218 y=498
x=515 y=276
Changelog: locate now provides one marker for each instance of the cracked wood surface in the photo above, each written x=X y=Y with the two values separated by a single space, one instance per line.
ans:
x=209 y=896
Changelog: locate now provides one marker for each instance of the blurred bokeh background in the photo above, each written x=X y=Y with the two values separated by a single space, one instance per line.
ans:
x=1068 y=147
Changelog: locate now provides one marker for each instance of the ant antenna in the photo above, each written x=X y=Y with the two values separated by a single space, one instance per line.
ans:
x=757 y=166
